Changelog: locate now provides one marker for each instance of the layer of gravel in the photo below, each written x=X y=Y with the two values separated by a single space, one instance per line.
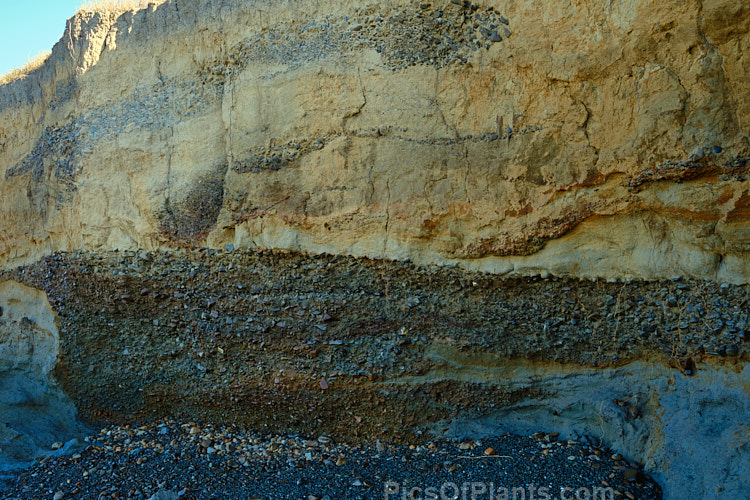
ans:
x=168 y=460
x=291 y=345
x=285 y=342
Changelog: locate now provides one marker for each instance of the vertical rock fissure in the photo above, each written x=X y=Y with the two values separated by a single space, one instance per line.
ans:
x=387 y=216
x=168 y=180
x=585 y=128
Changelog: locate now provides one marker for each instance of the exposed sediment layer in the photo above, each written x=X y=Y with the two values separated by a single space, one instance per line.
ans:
x=595 y=139
x=362 y=349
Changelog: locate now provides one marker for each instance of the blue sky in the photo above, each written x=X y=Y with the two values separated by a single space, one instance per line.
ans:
x=28 y=27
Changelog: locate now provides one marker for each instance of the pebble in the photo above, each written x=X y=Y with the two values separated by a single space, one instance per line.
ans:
x=163 y=494
x=631 y=474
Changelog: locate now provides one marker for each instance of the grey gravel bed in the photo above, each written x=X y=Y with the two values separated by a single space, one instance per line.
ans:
x=168 y=460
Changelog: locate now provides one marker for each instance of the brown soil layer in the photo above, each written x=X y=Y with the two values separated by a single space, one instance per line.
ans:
x=283 y=342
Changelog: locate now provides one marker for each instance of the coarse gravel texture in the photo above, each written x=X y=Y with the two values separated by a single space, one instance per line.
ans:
x=288 y=344
x=192 y=461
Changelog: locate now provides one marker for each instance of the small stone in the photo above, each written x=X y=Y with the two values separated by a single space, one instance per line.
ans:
x=494 y=37
x=688 y=366
x=164 y=495
x=58 y=496
x=616 y=457
x=56 y=445
x=631 y=474
x=341 y=461
x=323 y=384
x=489 y=452
x=633 y=412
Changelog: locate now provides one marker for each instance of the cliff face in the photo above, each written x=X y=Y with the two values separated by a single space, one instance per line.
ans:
x=577 y=138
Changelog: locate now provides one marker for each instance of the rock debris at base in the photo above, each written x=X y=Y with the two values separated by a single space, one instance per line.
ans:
x=168 y=460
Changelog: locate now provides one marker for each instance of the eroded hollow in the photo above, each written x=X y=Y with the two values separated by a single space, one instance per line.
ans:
x=34 y=412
